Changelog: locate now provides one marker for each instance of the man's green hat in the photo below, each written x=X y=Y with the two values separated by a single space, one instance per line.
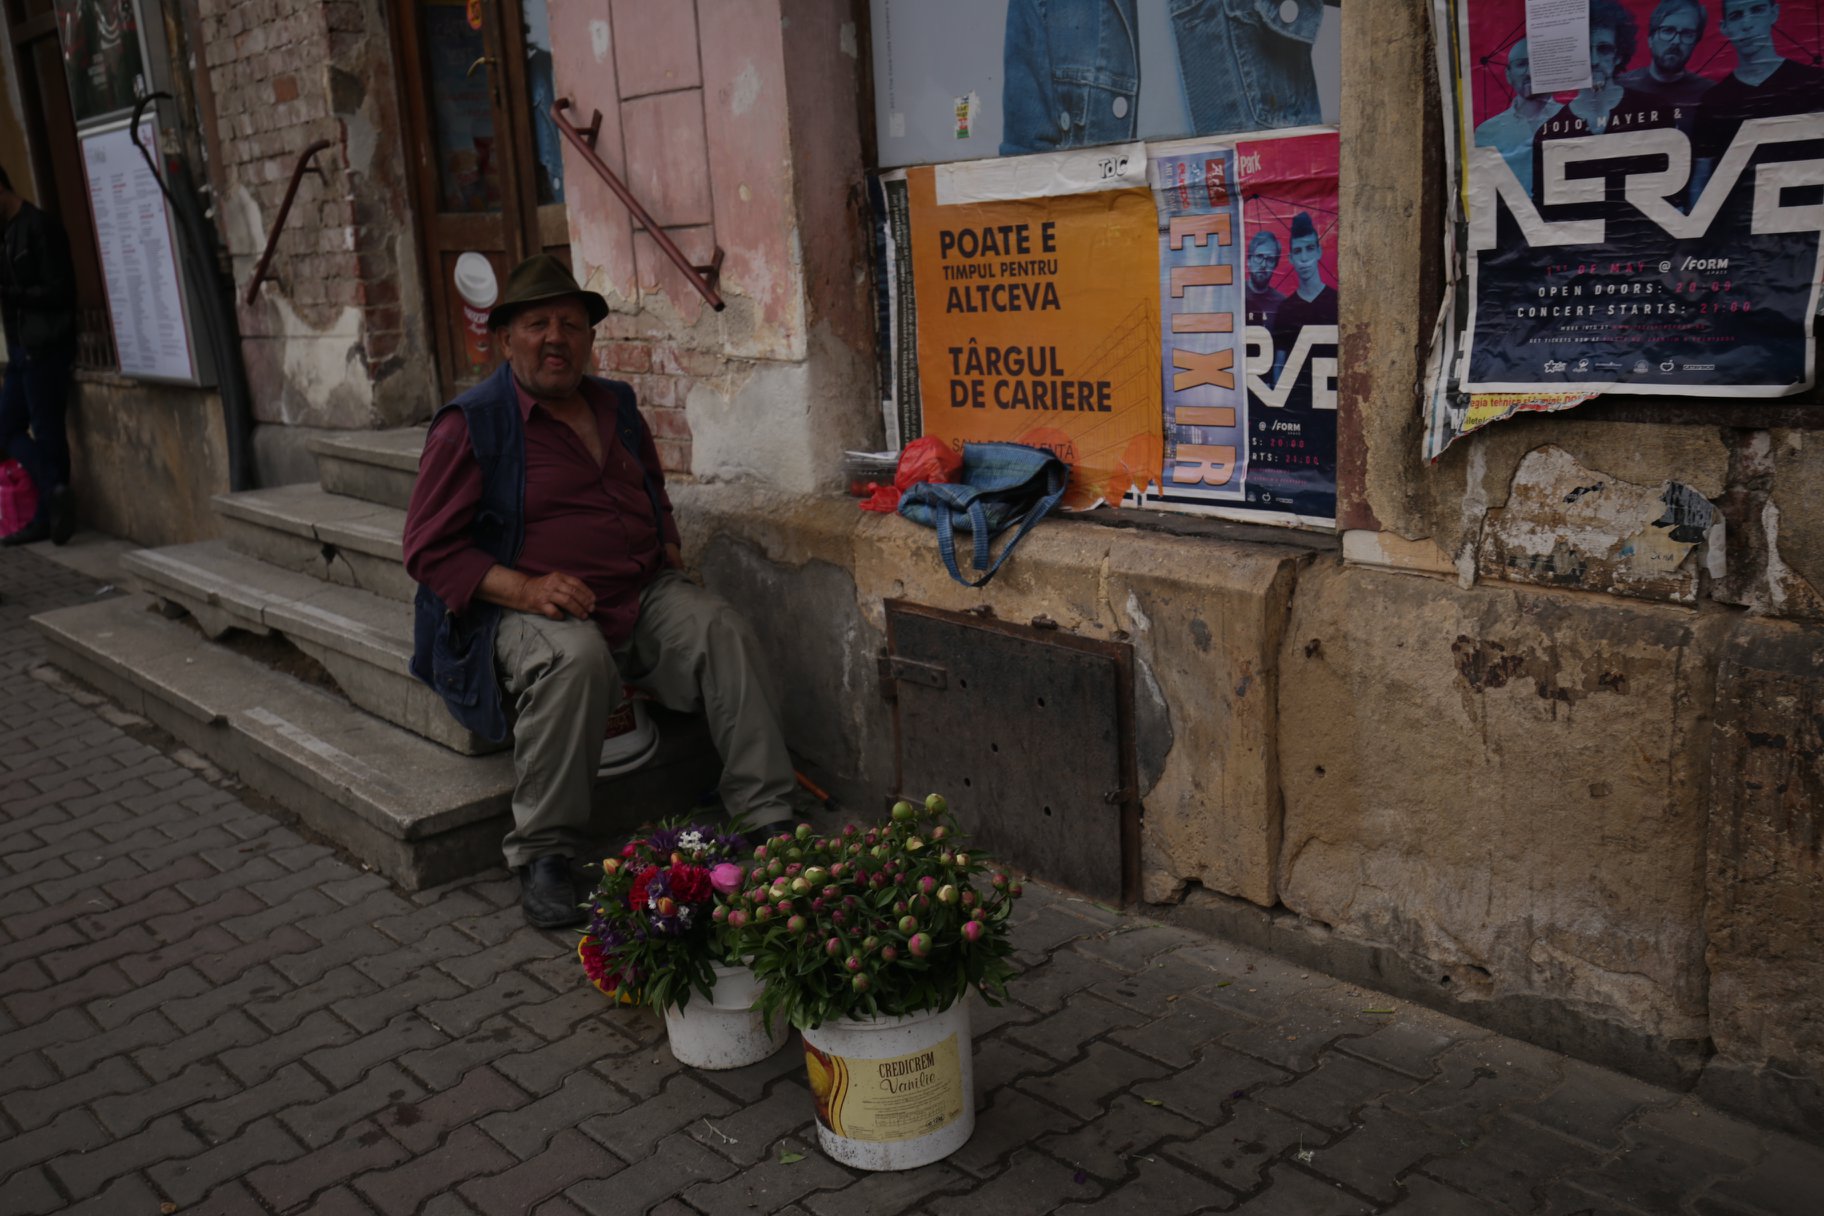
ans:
x=539 y=278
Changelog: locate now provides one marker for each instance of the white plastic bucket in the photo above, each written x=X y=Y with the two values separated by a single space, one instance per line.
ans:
x=724 y=1031
x=893 y=1093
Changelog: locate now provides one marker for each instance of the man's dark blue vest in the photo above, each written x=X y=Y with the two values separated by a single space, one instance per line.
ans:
x=455 y=654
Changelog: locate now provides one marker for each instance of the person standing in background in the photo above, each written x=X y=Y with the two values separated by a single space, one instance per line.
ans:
x=38 y=307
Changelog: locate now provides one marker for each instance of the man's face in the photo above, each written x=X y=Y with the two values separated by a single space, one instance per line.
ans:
x=1263 y=260
x=547 y=345
x=1305 y=253
x=1519 y=70
x=1672 y=41
x=1602 y=56
x=1749 y=23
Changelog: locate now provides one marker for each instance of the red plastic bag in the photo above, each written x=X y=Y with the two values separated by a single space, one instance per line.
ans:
x=924 y=459
x=18 y=497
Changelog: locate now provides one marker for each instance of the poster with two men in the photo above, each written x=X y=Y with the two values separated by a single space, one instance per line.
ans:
x=1639 y=202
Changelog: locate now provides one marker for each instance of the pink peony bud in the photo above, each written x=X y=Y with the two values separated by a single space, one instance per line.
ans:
x=796 y=924
x=833 y=946
x=919 y=944
x=908 y=924
x=737 y=919
x=726 y=877
x=927 y=884
x=973 y=930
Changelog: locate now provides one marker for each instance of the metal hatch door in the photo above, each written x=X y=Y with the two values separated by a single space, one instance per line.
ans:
x=1028 y=733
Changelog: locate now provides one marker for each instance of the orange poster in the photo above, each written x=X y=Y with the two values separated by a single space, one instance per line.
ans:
x=1038 y=310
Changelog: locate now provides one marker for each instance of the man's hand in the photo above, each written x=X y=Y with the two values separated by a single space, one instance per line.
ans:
x=556 y=596
x=674 y=557
x=552 y=595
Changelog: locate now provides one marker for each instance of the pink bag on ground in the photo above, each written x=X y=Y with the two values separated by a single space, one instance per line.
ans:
x=18 y=497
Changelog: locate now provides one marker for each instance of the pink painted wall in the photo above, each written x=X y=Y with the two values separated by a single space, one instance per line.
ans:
x=693 y=99
x=737 y=124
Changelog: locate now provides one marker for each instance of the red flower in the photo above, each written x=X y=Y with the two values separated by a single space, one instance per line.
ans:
x=595 y=965
x=690 y=884
x=637 y=899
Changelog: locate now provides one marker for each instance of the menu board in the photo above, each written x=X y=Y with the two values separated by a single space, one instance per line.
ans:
x=138 y=257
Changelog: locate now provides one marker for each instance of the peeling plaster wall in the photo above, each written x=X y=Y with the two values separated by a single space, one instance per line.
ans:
x=146 y=463
x=1406 y=513
x=1589 y=820
x=1570 y=886
x=326 y=342
x=735 y=125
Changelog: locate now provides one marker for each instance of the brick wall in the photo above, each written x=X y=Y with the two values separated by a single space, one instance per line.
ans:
x=283 y=74
x=662 y=373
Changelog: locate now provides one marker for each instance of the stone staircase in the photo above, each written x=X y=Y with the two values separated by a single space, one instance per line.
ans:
x=280 y=652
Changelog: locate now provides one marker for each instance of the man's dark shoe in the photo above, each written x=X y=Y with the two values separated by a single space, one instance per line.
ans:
x=31 y=534
x=60 y=515
x=547 y=893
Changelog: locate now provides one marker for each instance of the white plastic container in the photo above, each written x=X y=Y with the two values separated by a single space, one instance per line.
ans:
x=893 y=1093
x=724 y=1031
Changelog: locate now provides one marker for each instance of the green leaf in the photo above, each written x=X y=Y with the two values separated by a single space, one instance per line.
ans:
x=787 y=1157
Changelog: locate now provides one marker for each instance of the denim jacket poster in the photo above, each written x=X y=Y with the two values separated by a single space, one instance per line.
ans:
x=1657 y=232
x=960 y=79
x=1248 y=301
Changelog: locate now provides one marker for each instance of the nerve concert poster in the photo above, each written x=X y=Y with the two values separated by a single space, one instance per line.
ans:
x=1038 y=310
x=1637 y=212
x=1247 y=233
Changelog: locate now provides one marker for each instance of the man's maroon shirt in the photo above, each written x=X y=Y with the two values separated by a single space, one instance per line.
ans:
x=592 y=523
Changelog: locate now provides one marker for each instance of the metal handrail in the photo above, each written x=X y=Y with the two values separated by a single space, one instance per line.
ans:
x=703 y=278
x=262 y=271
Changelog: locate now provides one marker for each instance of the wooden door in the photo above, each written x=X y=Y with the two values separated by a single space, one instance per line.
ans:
x=488 y=171
x=62 y=185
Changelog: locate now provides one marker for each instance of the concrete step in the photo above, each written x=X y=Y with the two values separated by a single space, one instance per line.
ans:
x=305 y=528
x=404 y=805
x=363 y=640
x=376 y=466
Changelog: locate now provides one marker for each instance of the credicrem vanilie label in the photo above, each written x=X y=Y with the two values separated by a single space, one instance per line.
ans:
x=897 y=1098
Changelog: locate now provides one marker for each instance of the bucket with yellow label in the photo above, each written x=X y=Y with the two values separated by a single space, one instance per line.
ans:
x=893 y=1093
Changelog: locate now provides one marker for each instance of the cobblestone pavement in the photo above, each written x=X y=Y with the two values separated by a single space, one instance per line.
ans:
x=201 y=1011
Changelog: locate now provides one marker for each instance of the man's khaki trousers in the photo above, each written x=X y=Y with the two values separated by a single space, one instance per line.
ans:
x=691 y=650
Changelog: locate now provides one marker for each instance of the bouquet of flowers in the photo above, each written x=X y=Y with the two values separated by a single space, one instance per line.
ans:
x=651 y=939
x=885 y=921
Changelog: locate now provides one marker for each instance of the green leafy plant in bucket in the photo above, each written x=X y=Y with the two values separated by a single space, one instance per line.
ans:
x=900 y=918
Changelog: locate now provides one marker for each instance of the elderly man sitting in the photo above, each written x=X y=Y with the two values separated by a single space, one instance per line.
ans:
x=542 y=540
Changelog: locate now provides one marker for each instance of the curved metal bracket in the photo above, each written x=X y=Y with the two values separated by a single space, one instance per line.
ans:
x=703 y=278
x=262 y=271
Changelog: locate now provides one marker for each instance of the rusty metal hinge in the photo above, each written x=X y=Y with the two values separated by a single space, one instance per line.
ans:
x=931 y=675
